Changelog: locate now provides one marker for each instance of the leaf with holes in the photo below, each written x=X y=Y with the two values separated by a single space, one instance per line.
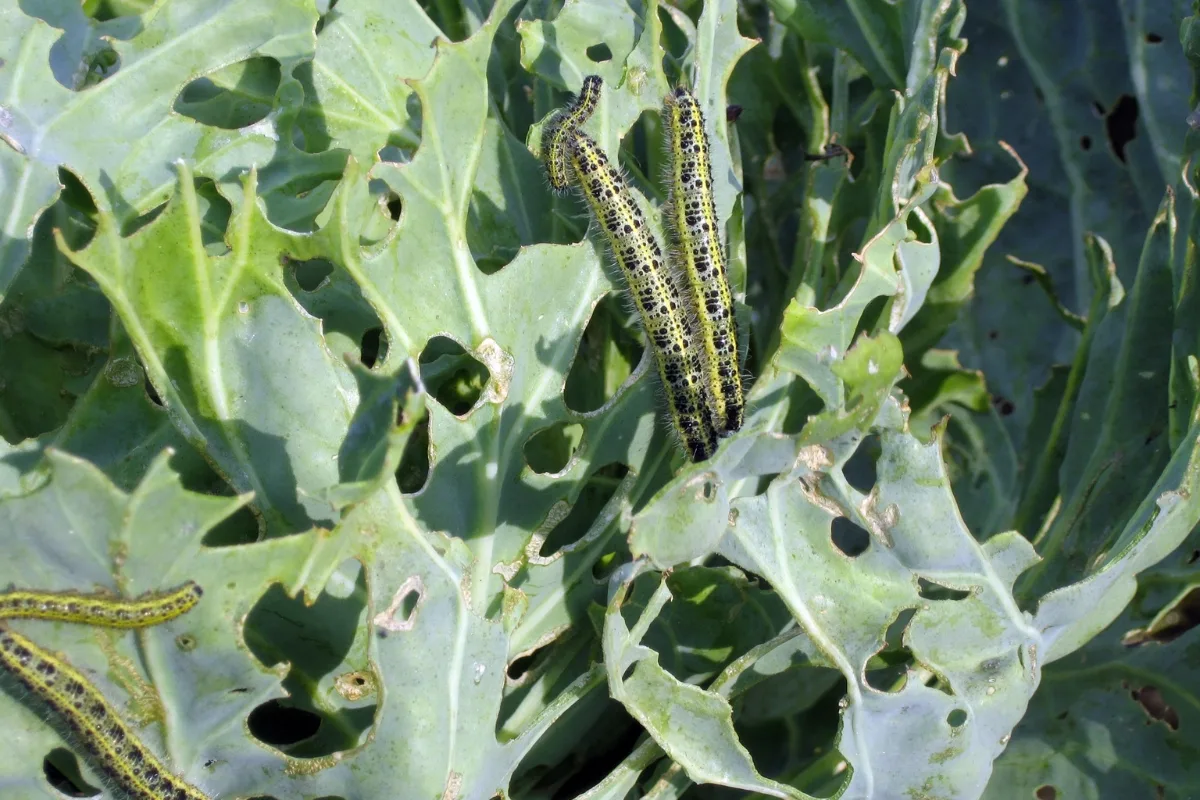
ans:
x=449 y=548
x=65 y=77
x=186 y=685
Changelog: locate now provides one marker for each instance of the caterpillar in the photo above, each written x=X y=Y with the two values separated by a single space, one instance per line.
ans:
x=98 y=609
x=562 y=127
x=700 y=256
x=90 y=720
x=655 y=294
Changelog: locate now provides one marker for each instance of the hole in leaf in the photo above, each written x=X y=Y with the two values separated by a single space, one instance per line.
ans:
x=370 y=346
x=61 y=768
x=1150 y=698
x=1121 y=124
x=1153 y=38
x=394 y=205
x=605 y=566
x=401 y=613
x=315 y=640
x=872 y=316
x=530 y=663
x=601 y=485
x=849 y=538
x=95 y=66
x=860 y=470
x=413 y=470
x=394 y=154
x=75 y=196
x=1004 y=407
x=608 y=352
x=956 y=718
x=520 y=666
x=549 y=450
x=408 y=606
x=279 y=725
x=569 y=771
x=215 y=212
x=233 y=97
x=919 y=229
x=332 y=296
x=240 y=527
x=887 y=670
x=599 y=53
x=935 y=591
x=1046 y=792
x=389 y=206
x=451 y=375
x=1085 y=142
x=311 y=274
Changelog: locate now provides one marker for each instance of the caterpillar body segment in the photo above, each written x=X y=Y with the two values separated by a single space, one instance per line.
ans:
x=107 y=611
x=655 y=294
x=700 y=256
x=562 y=127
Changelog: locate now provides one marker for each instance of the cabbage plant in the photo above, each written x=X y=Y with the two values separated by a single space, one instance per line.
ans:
x=289 y=310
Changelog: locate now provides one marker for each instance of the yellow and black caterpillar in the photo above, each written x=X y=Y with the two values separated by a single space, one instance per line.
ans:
x=657 y=297
x=562 y=127
x=685 y=303
x=91 y=722
x=701 y=256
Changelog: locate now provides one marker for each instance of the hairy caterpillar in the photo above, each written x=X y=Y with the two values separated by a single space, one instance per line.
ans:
x=562 y=127
x=98 y=609
x=93 y=724
x=657 y=297
x=701 y=256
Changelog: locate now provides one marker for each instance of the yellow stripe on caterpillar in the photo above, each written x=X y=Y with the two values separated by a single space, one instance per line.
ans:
x=655 y=294
x=562 y=127
x=700 y=256
x=108 y=611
